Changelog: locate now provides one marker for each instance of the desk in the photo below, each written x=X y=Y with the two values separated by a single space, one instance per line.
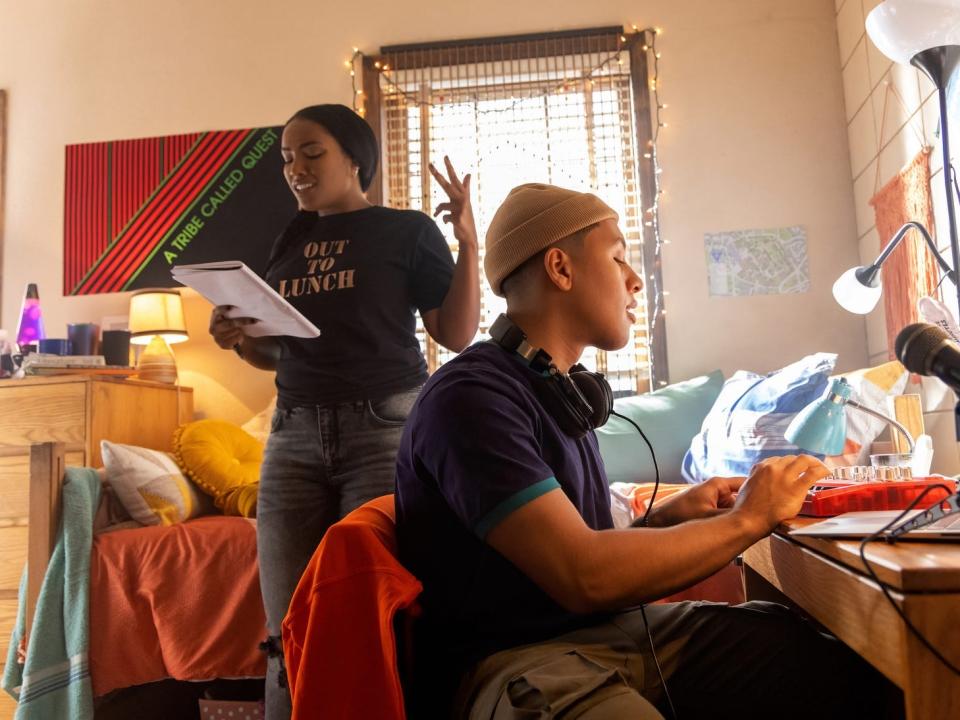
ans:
x=826 y=579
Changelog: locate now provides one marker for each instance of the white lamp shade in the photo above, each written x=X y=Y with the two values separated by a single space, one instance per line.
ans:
x=156 y=312
x=902 y=28
x=853 y=295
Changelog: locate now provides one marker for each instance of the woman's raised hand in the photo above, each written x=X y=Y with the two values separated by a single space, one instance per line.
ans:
x=459 y=211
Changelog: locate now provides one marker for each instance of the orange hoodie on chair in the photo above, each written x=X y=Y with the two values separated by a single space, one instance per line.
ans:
x=338 y=636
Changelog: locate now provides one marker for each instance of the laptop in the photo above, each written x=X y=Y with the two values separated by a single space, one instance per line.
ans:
x=862 y=524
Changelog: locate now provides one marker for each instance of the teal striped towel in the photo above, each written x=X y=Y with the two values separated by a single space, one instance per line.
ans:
x=55 y=681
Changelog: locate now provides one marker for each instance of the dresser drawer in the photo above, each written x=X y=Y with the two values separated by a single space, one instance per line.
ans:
x=15 y=486
x=13 y=556
x=38 y=413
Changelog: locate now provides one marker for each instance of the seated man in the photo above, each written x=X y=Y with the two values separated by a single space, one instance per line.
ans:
x=530 y=596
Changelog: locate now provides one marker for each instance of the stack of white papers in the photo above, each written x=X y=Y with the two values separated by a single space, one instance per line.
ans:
x=49 y=360
x=230 y=282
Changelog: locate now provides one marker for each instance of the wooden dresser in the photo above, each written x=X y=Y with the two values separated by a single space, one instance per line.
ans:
x=79 y=411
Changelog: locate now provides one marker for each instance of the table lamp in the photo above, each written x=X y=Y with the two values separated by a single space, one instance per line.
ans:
x=925 y=34
x=156 y=320
x=821 y=427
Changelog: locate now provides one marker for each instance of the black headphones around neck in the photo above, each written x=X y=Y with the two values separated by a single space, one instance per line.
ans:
x=579 y=401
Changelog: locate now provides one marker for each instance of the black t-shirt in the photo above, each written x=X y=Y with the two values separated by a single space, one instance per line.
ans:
x=360 y=277
x=478 y=445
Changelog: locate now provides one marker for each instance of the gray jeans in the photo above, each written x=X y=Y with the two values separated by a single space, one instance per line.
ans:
x=319 y=464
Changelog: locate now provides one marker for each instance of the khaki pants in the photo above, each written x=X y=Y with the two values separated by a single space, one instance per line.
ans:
x=756 y=660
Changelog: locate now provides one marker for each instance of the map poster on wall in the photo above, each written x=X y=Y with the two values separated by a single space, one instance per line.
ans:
x=134 y=208
x=758 y=262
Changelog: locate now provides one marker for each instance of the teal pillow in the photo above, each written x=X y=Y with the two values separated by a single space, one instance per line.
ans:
x=670 y=418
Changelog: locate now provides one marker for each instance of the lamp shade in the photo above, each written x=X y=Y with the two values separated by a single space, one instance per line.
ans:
x=853 y=295
x=821 y=427
x=902 y=28
x=156 y=312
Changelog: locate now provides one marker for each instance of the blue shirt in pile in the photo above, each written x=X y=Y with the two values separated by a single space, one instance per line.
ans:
x=477 y=446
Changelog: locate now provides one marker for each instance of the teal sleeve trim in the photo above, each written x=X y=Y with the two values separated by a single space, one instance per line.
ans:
x=518 y=500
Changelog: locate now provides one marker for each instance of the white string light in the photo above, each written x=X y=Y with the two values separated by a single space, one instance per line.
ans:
x=356 y=101
x=560 y=86
x=652 y=213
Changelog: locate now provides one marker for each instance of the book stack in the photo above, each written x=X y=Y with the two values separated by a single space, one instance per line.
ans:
x=47 y=364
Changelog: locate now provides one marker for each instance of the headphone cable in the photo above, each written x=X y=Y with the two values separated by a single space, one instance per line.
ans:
x=643 y=522
x=656 y=468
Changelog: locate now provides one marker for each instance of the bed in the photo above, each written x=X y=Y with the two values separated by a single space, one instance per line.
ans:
x=179 y=602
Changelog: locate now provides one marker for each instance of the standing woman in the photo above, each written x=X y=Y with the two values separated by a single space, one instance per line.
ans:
x=359 y=272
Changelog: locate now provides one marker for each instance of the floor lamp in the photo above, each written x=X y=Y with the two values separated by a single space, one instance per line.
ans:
x=925 y=34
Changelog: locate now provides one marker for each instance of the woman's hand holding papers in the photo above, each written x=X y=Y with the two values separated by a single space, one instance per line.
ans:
x=227 y=332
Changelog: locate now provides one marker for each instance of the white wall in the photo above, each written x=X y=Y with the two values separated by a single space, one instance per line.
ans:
x=756 y=138
x=892 y=112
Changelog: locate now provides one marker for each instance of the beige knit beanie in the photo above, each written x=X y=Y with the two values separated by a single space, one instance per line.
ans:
x=530 y=219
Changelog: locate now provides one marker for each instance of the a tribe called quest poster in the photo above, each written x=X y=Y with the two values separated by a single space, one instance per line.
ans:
x=134 y=208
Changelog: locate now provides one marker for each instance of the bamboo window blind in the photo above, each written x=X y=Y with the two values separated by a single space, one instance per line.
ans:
x=557 y=108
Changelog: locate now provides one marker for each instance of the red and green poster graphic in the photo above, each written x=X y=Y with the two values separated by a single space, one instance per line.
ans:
x=135 y=208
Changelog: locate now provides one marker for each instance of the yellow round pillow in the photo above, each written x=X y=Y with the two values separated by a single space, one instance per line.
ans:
x=224 y=461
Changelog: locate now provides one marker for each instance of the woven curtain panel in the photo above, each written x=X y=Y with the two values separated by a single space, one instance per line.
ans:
x=555 y=110
x=910 y=272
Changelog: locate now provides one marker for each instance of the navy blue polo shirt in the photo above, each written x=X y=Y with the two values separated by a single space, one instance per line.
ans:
x=477 y=446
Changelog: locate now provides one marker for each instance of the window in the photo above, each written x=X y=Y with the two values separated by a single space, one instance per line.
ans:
x=557 y=108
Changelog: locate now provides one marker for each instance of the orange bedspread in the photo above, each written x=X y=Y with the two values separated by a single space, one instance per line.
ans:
x=175 y=602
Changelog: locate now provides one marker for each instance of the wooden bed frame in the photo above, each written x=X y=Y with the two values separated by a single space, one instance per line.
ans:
x=47 y=465
x=165 y=698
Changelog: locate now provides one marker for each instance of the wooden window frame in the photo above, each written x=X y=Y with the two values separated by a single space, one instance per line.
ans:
x=637 y=44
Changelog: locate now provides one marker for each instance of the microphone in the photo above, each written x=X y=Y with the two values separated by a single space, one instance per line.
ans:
x=926 y=349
